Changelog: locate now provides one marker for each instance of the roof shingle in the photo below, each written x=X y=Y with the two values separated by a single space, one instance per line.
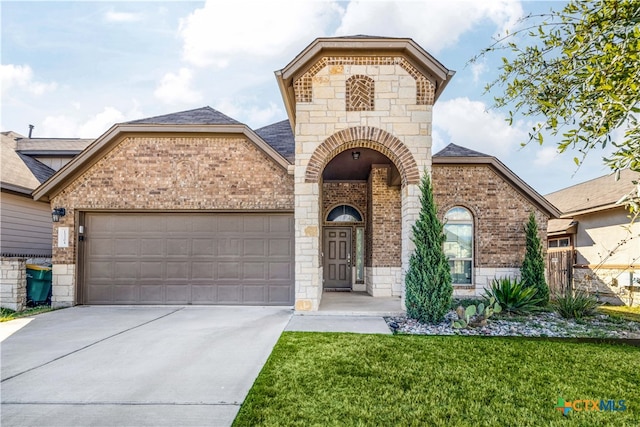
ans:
x=199 y=116
x=280 y=137
x=453 y=150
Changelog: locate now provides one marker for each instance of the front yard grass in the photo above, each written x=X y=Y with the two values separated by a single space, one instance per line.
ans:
x=623 y=311
x=6 y=314
x=320 y=379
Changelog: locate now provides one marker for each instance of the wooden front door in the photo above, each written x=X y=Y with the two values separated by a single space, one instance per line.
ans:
x=337 y=258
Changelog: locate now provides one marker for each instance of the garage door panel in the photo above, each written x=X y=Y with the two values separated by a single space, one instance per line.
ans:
x=280 y=294
x=228 y=270
x=125 y=270
x=203 y=247
x=178 y=294
x=100 y=270
x=178 y=247
x=151 y=270
x=230 y=224
x=229 y=294
x=125 y=294
x=229 y=247
x=254 y=247
x=280 y=247
x=187 y=258
x=203 y=294
x=255 y=224
x=151 y=247
x=126 y=247
x=280 y=271
x=152 y=294
x=202 y=270
x=101 y=246
x=253 y=270
x=254 y=294
x=177 y=270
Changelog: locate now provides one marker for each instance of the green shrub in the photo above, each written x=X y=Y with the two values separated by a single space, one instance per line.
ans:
x=575 y=305
x=513 y=296
x=532 y=270
x=428 y=280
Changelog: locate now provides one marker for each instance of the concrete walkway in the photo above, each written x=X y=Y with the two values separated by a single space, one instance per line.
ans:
x=136 y=366
x=338 y=323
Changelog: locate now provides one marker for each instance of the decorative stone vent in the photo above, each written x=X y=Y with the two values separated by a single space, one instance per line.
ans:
x=360 y=93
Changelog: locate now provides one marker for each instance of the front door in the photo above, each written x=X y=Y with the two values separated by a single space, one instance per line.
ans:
x=337 y=258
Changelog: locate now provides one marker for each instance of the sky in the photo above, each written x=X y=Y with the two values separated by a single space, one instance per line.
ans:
x=75 y=68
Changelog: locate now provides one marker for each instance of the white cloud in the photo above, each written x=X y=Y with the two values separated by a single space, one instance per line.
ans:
x=221 y=31
x=468 y=123
x=477 y=69
x=433 y=24
x=22 y=76
x=72 y=126
x=546 y=156
x=175 y=88
x=113 y=16
x=246 y=111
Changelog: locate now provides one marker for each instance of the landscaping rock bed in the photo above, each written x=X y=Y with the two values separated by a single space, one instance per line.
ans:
x=546 y=324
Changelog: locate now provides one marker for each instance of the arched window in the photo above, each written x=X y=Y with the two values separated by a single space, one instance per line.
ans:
x=344 y=213
x=458 y=245
x=360 y=93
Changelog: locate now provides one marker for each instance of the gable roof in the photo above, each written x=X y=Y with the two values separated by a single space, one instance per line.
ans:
x=453 y=150
x=359 y=45
x=52 y=146
x=15 y=175
x=594 y=195
x=199 y=116
x=279 y=136
x=204 y=120
x=457 y=155
x=39 y=170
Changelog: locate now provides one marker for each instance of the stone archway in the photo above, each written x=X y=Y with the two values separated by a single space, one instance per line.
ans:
x=365 y=137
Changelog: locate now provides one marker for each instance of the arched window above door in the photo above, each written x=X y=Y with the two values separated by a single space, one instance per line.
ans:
x=344 y=213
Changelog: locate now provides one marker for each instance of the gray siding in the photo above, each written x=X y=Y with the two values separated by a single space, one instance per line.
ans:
x=25 y=226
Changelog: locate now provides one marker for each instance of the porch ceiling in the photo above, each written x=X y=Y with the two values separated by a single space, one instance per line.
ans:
x=344 y=167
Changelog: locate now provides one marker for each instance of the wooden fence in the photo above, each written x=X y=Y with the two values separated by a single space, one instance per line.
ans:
x=560 y=271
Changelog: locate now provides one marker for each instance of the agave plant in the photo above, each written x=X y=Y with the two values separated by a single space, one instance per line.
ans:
x=575 y=305
x=513 y=296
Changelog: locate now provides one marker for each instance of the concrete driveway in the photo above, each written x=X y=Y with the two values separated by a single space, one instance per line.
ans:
x=136 y=366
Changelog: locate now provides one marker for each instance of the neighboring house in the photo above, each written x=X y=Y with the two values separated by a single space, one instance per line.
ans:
x=197 y=208
x=597 y=230
x=25 y=224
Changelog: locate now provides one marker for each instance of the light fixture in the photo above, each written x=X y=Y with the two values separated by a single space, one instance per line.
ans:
x=355 y=155
x=58 y=213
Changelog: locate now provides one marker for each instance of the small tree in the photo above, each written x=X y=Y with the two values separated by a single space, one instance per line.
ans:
x=428 y=280
x=532 y=269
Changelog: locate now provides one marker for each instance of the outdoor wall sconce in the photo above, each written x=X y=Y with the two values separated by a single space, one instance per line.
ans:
x=58 y=213
x=355 y=155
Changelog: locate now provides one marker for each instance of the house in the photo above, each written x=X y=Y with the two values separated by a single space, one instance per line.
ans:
x=596 y=231
x=26 y=224
x=196 y=208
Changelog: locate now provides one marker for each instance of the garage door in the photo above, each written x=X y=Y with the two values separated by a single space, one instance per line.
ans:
x=133 y=258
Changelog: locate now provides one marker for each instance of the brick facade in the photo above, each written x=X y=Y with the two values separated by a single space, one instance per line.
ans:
x=339 y=193
x=384 y=240
x=164 y=173
x=500 y=213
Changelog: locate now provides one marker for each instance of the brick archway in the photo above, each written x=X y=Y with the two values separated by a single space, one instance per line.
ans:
x=365 y=137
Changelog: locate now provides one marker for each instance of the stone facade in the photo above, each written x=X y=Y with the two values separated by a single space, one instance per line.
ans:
x=500 y=213
x=13 y=283
x=399 y=127
x=165 y=173
x=614 y=284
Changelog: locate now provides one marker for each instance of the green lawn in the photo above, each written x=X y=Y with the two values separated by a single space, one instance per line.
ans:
x=6 y=314
x=320 y=379
x=623 y=311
